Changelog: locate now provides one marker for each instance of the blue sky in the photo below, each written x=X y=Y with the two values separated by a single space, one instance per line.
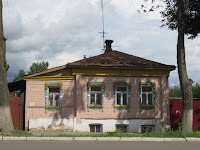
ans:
x=62 y=31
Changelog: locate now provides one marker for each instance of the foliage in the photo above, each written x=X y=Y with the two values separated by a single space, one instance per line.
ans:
x=34 y=68
x=176 y=91
x=1 y=130
x=170 y=15
x=196 y=90
x=192 y=17
x=20 y=75
x=38 y=67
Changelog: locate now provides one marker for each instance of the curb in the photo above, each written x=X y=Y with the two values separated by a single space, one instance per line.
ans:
x=85 y=139
x=38 y=138
x=61 y=138
x=131 y=139
x=13 y=138
x=101 y=139
x=147 y=139
x=108 y=139
x=175 y=140
x=193 y=139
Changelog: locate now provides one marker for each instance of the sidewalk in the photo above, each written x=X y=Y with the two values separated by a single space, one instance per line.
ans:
x=52 y=137
x=105 y=139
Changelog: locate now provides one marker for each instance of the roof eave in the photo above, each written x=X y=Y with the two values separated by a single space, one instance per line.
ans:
x=169 y=68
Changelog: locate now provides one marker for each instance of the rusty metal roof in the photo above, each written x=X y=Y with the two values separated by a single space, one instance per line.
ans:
x=119 y=59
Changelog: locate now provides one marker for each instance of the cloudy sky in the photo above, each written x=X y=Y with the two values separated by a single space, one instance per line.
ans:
x=62 y=31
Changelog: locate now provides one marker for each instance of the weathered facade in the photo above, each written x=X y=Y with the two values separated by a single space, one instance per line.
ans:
x=99 y=94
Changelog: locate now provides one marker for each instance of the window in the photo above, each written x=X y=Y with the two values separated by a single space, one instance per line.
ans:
x=95 y=128
x=95 y=95
x=147 y=95
x=148 y=128
x=122 y=92
x=123 y=128
x=122 y=96
x=53 y=97
x=17 y=94
x=95 y=91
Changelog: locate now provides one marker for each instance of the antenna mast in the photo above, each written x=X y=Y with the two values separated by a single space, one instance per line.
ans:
x=103 y=32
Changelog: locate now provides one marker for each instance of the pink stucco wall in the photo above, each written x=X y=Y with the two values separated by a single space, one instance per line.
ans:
x=35 y=94
x=161 y=107
x=75 y=99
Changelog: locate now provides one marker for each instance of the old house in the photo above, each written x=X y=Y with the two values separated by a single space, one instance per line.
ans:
x=99 y=94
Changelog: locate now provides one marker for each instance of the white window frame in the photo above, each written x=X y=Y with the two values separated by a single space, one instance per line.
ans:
x=121 y=101
x=146 y=94
x=95 y=92
x=54 y=95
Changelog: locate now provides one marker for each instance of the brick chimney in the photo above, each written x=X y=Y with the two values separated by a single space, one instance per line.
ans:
x=108 y=46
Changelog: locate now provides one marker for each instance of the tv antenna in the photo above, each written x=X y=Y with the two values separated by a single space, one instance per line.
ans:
x=103 y=31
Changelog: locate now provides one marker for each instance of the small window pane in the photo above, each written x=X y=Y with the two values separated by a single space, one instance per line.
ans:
x=124 y=99
x=54 y=90
x=150 y=99
x=57 y=100
x=118 y=98
x=122 y=89
x=98 y=102
x=92 y=128
x=17 y=94
x=92 y=99
x=143 y=99
x=98 y=128
x=95 y=88
x=146 y=89
x=50 y=99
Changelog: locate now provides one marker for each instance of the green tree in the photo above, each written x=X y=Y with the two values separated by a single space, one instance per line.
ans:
x=34 y=68
x=20 y=75
x=175 y=91
x=196 y=90
x=38 y=67
x=5 y=113
x=184 y=16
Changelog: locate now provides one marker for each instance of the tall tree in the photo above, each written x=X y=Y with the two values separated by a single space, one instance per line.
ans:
x=38 y=67
x=20 y=75
x=185 y=82
x=184 y=16
x=5 y=114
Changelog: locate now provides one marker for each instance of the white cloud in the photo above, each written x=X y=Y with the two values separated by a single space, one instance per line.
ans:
x=63 y=31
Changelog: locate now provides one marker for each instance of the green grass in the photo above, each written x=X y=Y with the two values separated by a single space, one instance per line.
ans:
x=117 y=133
x=171 y=134
x=19 y=133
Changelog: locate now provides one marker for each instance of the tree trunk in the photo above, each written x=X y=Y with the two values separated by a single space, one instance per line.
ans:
x=186 y=84
x=5 y=114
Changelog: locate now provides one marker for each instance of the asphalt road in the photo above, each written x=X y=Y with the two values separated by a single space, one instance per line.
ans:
x=95 y=145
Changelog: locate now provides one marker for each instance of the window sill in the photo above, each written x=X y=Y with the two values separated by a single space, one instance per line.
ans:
x=121 y=106
x=147 y=107
x=53 y=107
x=92 y=106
